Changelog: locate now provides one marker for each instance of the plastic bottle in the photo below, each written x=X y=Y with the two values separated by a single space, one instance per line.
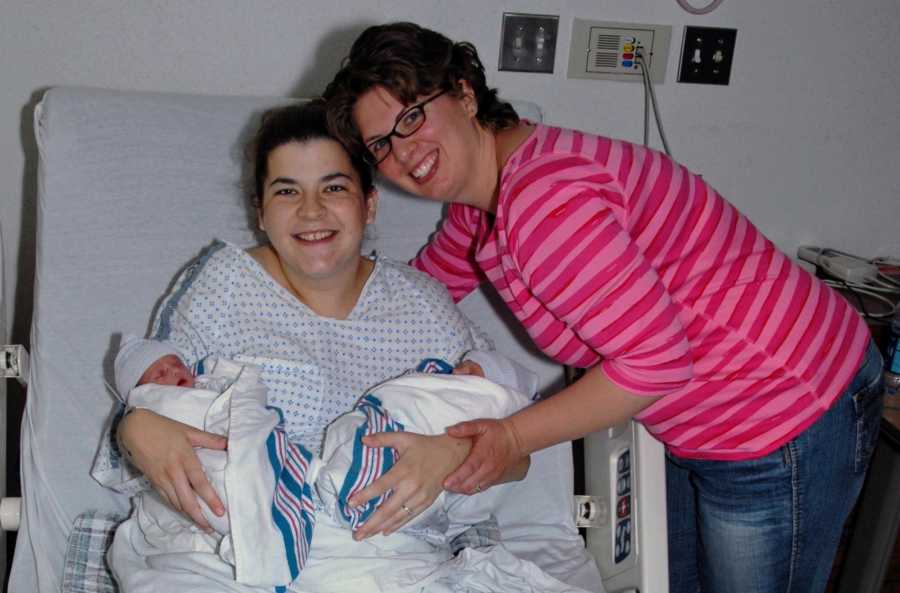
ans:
x=892 y=362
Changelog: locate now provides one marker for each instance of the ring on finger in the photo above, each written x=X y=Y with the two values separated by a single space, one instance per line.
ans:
x=477 y=487
x=407 y=509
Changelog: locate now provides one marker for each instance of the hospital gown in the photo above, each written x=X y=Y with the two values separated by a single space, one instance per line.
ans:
x=315 y=368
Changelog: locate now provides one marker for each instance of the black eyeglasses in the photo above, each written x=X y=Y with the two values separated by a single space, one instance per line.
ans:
x=407 y=124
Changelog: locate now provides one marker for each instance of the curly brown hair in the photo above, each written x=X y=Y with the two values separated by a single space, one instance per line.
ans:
x=409 y=61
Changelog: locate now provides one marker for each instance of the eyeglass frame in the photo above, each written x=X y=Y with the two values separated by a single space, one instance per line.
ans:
x=369 y=157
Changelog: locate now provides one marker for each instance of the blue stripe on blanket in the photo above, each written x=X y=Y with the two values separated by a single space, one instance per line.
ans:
x=435 y=366
x=293 y=511
x=368 y=463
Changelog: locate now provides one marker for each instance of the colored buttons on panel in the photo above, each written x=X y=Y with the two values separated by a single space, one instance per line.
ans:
x=628 y=44
x=623 y=517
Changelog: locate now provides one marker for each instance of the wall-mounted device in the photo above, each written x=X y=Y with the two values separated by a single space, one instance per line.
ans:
x=603 y=50
x=706 y=55
x=528 y=42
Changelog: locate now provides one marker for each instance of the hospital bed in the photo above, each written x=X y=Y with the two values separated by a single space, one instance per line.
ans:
x=131 y=186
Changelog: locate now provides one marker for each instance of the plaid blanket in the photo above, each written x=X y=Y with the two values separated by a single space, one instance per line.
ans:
x=86 y=570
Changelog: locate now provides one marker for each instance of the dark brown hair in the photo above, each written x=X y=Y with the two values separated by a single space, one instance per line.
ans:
x=298 y=122
x=409 y=61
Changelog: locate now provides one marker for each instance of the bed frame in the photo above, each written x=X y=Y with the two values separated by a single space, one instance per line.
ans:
x=131 y=186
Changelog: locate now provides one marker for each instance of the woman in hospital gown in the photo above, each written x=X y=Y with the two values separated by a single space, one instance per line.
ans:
x=323 y=324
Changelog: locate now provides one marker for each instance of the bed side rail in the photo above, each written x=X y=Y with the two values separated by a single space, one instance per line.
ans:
x=10 y=513
x=13 y=365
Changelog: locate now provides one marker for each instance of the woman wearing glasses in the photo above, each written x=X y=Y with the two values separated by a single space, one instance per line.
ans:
x=760 y=380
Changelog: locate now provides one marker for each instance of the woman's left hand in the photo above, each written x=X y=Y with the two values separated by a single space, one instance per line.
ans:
x=496 y=452
x=415 y=481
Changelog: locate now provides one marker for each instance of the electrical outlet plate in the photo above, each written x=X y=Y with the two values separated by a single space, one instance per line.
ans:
x=528 y=42
x=706 y=55
x=605 y=51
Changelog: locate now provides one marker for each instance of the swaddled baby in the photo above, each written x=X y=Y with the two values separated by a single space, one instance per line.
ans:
x=272 y=486
x=229 y=399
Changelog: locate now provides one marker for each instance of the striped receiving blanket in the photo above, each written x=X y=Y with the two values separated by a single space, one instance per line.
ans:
x=426 y=402
x=261 y=471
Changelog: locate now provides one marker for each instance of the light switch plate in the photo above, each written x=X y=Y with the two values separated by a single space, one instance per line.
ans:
x=706 y=55
x=528 y=42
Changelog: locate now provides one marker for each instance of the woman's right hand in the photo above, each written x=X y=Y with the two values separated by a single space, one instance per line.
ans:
x=163 y=450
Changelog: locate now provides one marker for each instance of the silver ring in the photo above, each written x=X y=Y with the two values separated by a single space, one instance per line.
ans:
x=406 y=508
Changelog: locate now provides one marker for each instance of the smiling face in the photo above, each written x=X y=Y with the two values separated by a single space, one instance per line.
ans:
x=168 y=370
x=450 y=158
x=314 y=213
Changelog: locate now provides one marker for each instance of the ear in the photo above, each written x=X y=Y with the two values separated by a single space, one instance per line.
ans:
x=259 y=220
x=467 y=98
x=371 y=205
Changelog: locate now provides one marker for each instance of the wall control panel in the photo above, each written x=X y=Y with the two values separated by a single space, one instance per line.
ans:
x=606 y=51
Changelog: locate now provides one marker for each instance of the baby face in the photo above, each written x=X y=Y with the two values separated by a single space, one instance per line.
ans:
x=168 y=370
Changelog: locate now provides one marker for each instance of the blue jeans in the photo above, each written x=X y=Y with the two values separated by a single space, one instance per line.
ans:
x=772 y=525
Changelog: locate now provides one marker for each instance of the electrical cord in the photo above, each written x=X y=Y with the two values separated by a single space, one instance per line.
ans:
x=882 y=289
x=649 y=92
x=694 y=10
x=887 y=279
x=640 y=63
x=883 y=283
x=859 y=299
x=888 y=263
x=890 y=307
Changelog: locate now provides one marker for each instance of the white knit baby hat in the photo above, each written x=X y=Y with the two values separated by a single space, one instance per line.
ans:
x=135 y=355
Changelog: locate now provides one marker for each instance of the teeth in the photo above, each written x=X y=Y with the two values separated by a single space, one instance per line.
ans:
x=423 y=169
x=315 y=235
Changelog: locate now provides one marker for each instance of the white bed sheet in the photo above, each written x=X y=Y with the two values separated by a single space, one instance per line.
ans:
x=131 y=186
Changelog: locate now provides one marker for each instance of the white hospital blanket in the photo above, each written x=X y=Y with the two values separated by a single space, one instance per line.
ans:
x=397 y=564
x=159 y=550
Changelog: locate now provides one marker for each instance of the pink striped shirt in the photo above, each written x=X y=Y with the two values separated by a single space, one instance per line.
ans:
x=609 y=253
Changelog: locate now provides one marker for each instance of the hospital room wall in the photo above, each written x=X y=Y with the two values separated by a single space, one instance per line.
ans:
x=804 y=140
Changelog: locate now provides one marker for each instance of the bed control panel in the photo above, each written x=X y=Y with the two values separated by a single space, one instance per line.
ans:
x=625 y=466
x=614 y=543
x=623 y=533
